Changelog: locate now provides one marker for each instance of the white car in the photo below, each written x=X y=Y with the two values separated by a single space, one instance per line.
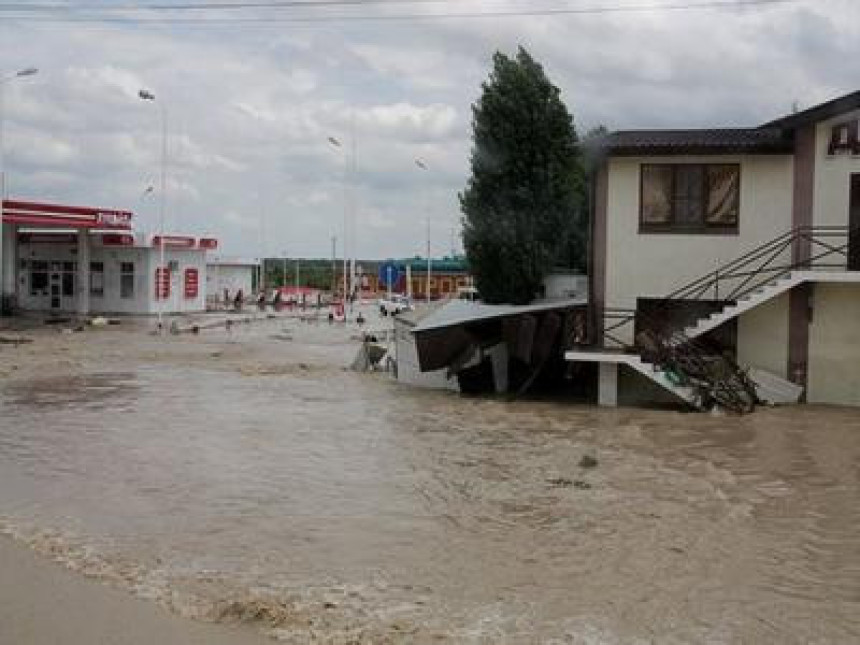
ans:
x=395 y=305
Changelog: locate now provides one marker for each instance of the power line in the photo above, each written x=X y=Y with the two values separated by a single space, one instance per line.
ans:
x=100 y=16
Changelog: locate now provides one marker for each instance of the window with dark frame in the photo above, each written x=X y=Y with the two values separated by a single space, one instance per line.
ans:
x=691 y=198
x=845 y=137
x=126 y=280
x=38 y=278
x=97 y=279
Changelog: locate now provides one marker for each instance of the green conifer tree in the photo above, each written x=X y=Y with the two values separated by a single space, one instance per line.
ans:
x=524 y=205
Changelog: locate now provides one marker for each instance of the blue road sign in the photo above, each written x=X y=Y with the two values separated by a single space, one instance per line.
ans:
x=389 y=274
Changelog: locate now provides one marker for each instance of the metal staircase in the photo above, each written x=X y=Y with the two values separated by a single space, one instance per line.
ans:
x=804 y=254
x=681 y=364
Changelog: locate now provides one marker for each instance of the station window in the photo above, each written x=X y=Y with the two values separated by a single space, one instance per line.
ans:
x=126 y=280
x=97 y=279
x=38 y=278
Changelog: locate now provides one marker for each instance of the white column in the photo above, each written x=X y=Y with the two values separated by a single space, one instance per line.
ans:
x=83 y=282
x=10 y=259
x=408 y=281
x=607 y=385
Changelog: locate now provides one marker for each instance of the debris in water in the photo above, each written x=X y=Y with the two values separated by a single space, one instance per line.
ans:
x=14 y=340
x=560 y=482
x=581 y=485
x=588 y=461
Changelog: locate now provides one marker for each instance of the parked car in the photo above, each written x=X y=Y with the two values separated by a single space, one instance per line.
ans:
x=395 y=305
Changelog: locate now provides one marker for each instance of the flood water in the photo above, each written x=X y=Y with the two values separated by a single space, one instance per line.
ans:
x=339 y=507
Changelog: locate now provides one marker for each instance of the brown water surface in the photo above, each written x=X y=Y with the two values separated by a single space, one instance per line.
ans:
x=241 y=477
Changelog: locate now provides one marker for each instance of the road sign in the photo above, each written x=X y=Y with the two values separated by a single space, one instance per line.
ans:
x=389 y=274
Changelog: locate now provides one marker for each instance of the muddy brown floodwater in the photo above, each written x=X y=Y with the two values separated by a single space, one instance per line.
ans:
x=250 y=477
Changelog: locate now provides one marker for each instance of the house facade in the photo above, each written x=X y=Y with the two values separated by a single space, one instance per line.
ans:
x=743 y=240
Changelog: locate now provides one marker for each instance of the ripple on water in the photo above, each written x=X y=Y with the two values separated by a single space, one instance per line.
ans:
x=319 y=502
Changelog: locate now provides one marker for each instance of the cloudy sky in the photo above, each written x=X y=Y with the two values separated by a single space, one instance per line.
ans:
x=253 y=94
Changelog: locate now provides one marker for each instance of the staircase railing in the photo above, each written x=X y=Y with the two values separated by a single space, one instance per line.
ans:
x=826 y=248
x=712 y=374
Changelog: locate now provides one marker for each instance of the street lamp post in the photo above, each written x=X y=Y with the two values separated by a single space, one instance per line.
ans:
x=337 y=144
x=146 y=95
x=423 y=166
x=4 y=292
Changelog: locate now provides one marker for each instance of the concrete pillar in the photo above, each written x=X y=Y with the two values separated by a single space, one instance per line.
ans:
x=499 y=358
x=607 y=385
x=83 y=282
x=10 y=259
x=408 y=281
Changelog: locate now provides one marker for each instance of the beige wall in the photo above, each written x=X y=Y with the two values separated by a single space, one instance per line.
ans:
x=655 y=264
x=834 y=345
x=831 y=192
x=763 y=337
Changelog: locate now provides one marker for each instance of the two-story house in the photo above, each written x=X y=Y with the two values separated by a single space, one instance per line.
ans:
x=745 y=240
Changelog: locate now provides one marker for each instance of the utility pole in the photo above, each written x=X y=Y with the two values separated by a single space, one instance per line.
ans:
x=429 y=261
x=333 y=263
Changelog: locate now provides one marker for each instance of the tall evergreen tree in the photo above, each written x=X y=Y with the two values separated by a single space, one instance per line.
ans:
x=524 y=205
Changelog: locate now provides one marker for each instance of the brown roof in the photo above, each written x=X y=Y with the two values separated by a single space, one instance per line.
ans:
x=817 y=113
x=774 y=137
x=702 y=141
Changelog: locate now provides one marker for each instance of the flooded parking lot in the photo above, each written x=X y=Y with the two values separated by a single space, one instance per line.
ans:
x=250 y=477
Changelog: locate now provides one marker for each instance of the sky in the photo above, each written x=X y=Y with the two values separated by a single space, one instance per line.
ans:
x=252 y=96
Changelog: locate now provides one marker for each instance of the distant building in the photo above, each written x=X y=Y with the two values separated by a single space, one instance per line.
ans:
x=230 y=275
x=86 y=260
x=447 y=275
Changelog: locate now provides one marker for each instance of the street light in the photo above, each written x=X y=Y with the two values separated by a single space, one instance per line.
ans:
x=146 y=95
x=337 y=144
x=423 y=166
x=6 y=289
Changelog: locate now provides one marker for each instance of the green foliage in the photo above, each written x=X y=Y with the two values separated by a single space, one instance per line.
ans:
x=524 y=206
x=314 y=273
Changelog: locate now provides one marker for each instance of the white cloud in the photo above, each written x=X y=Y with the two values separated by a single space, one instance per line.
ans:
x=250 y=108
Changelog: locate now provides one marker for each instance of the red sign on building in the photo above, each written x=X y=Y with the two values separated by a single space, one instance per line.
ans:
x=209 y=243
x=162 y=283
x=117 y=239
x=191 y=282
x=176 y=241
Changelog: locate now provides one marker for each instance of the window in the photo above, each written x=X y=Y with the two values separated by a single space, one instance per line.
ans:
x=97 y=279
x=844 y=137
x=689 y=198
x=69 y=278
x=68 y=283
x=126 y=280
x=38 y=278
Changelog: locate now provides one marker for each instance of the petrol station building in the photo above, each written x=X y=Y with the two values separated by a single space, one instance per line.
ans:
x=83 y=260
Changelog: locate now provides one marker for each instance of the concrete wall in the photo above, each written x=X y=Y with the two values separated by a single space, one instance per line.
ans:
x=763 y=337
x=145 y=261
x=407 y=363
x=834 y=345
x=832 y=172
x=655 y=264
x=559 y=286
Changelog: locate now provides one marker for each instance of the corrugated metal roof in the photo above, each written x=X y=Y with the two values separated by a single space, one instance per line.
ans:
x=460 y=312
